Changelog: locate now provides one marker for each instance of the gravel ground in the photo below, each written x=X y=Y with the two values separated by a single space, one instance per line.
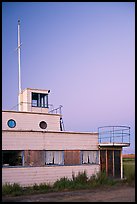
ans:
x=106 y=194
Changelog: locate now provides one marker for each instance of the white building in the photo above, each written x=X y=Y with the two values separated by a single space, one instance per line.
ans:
x=36 y=149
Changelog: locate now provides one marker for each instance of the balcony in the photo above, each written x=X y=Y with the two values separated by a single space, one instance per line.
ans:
x=114 y=136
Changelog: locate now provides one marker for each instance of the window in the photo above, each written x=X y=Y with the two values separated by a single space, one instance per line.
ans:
x=54 y=158
x=72 y=157
x=12 y=158
x=39 y=100
x=43 y=125
x=90 y=157
x=34 y=99
x=34 y=157
x=11 y=123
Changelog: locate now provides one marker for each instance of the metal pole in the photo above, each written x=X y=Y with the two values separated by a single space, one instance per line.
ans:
x=113 y=134
x=129 y=134
x=60 y=109
x=19 y=56
x=122 y=136
x=121 y=164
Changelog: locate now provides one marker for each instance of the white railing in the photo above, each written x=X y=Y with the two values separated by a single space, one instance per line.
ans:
x=114 y=134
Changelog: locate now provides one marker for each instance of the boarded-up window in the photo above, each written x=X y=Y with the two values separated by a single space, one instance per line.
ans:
x=54 y=158
x=72 y=157
x=33 y=158
x=90 y=157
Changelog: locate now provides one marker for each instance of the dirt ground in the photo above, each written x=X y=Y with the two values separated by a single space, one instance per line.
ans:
x=105 y=194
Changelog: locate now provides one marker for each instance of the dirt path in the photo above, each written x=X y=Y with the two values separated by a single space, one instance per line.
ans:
x=107 y=194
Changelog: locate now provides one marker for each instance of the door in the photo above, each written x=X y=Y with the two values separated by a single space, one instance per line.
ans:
x=110 y=161
x=103 y=160
x=117 y=164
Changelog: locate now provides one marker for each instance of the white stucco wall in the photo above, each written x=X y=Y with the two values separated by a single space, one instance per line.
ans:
x=35 y=140
x=27 y=176
x=30 y=121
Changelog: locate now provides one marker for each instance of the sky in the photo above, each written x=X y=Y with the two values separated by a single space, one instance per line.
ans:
x=83 y=52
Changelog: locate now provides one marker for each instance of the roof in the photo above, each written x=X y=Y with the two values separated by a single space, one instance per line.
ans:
x=40 y=90
x=114 y=144
x=29 y=112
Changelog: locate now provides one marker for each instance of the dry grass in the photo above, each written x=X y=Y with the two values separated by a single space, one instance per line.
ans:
x=128 y=156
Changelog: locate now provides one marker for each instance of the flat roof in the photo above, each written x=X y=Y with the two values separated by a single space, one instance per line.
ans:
x=47 y=90
x=49 y=131
x=29 y=112
x=124 y=144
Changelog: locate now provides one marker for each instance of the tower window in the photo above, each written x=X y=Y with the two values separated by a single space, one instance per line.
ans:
x=39 y=100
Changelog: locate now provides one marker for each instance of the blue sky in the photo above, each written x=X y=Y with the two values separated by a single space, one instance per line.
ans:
x=83 y=52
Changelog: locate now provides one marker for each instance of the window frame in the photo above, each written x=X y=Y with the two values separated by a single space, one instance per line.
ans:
x=43 y=128
x=39 y=100
x=89 y=155
x=11 y=120
x=10 y=153
x=53 y=152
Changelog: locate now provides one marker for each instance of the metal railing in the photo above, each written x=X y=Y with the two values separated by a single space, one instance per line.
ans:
x=114 y=134
x=50 y=107
x=55 y=110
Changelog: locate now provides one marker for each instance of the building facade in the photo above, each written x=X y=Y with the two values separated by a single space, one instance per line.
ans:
x=36 y=148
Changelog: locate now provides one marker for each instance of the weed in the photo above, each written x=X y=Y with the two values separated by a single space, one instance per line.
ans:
x=80 y=178
x=80 y=181
x=63 y=183
x=129 y=170
x=14 y=189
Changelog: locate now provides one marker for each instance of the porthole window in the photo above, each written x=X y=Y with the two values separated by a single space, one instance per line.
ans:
x=43 y=125
x=11 y=123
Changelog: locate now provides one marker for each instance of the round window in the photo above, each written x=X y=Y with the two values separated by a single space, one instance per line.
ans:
x=43 y=125
x=11 y=123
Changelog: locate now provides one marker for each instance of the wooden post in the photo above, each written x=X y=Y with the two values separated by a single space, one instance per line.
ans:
x=106 y=163
x=113 y=164
x=121 y=162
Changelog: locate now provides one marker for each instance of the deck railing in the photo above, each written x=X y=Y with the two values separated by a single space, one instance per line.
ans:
x=114 y=134
x=50 y=107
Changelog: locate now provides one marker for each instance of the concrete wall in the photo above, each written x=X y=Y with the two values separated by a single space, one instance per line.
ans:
x=30 y=121
x=25 y=101
x=46 y=140
x=27 y=176
x=27 y=135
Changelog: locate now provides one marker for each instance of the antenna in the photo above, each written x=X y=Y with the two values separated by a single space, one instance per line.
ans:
x=19 y=45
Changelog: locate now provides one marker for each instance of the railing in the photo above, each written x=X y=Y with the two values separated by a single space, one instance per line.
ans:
x=50 y=107
x=55 y=110
x=51 y=110
x=114 y=134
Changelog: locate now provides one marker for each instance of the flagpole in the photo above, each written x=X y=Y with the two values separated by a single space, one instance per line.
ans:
x=19 y=45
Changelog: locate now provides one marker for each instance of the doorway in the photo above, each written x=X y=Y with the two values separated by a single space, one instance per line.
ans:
x=110 y=161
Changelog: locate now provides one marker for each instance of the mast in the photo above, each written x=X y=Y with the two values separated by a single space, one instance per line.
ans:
x=19 y=45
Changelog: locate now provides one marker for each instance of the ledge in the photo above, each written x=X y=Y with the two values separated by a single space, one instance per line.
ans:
x=114 y=144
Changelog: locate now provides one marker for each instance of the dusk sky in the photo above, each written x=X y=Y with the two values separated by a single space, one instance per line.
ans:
x=84 y=53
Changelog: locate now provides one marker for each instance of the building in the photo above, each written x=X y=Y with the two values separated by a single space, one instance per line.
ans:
x=36 y=148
